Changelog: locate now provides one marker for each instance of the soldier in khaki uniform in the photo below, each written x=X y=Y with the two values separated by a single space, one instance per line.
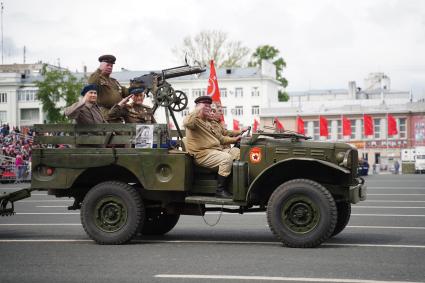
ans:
x=206 y=145
x=110 y=91
x=218 y=128
x=86 y=111
x=135 y=112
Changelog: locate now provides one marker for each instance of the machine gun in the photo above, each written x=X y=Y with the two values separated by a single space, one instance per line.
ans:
x=163 y=93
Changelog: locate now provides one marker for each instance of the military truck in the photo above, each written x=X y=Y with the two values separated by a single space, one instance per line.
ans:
x=125 y=183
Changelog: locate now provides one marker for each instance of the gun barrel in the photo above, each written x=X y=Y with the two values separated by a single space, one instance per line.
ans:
x=181 y=71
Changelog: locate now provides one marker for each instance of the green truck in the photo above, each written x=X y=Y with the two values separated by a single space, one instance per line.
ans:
x=128 y=179
x=306 y=188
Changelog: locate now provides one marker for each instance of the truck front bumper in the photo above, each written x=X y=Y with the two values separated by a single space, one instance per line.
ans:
x=358 y=192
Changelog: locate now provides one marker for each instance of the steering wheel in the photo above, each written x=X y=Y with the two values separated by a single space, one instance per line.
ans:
x=247 y=131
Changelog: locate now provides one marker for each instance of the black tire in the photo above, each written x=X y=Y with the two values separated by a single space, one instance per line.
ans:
x=112 y=213
x=158 y=222
x=344 y=213
x=301 y=213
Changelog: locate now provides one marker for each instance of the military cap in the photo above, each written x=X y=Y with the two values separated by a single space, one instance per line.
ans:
x=88 y=88
x=137 y=90
x=108 y=59
x=204 y=99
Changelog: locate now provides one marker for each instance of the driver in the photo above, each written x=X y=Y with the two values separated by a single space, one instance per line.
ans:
x=205 y=145
x=134 y=111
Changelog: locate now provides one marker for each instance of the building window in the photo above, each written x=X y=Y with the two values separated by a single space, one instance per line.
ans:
x=255 y=110
x=196 y=92
x=223 y=92
x=255 y=91
x=238 y=92
x=3 y=117
x=377 y=128
x=31 y=114
x=185 y=112
x=402 y=132
x=27 y=95
x=316 y=130
x=3 y=97
x=237 y=111
x=339 y=129
x=224 y=109
x=353 y=129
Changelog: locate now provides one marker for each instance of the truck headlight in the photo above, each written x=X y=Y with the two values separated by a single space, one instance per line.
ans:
x=340 y=157
x=346 y=159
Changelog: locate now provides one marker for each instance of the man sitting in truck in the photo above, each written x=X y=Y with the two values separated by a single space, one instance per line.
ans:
x=218 y=129
x=86 y=111
x=205 y=145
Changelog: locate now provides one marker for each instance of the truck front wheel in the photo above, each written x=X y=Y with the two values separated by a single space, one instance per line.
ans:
x=112 y=213
x=302 y=213
x=158 y=222
x=344 y=213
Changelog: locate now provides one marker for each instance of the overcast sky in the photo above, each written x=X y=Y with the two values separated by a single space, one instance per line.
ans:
x=325 y=43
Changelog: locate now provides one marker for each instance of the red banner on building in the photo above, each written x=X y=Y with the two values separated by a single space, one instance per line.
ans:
x=367 y=125
x=300 y=126
x=346 y=126
x=323 y=127
x=392 y=125
x=235 y=125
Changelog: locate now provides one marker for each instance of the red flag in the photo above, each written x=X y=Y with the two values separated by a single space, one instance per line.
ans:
x=235 y=124
x=367 y=125
x=323 y=127
x=346 y=126
x=213 y=89
x=278 y=124
x=255 y=127
x=392 y=125
x=300 y=126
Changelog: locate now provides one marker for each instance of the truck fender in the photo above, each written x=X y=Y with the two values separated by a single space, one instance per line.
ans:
x=293 y=168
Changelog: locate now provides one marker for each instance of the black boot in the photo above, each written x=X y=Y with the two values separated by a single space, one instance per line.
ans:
x=221 y=188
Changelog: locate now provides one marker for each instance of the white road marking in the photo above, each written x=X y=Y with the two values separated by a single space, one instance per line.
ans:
x=396 y=194
x=383 y=200
x=50 y=200
x=47 y=213
x=363 y=206
x=274 y=278
x=390 y=215
x=210 y=242
x=396 y=188
x=40 y=224
x=386 y=227
x=48 y=206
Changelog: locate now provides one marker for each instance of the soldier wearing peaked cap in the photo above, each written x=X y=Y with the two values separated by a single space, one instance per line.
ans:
x=110 y=91
x=206 y=145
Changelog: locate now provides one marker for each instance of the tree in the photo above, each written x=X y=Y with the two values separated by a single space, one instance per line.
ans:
x=215 y=45
x=57 y=85
x=267 y=52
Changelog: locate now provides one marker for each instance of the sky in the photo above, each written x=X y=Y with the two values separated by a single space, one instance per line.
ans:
x=325 y=43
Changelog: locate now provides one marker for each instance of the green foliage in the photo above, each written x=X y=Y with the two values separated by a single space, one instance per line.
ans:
x=58 y=85
x=283 y=96
x=267 y=52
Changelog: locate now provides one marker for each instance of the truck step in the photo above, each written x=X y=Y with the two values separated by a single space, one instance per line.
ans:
x=212 y=200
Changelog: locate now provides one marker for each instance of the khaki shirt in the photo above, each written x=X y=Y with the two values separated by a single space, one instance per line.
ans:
x=85 y=113
x=109 y=91
x=133 y=114
x=201 y=138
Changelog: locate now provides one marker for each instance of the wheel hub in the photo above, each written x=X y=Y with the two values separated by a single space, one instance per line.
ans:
x=110 y=214
x=300 y=214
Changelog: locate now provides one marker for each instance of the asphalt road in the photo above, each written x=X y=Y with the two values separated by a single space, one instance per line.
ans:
x=384 y=242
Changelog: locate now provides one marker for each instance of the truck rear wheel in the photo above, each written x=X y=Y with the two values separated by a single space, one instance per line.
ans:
x=158 y=222
x=301 y=213
x=112 y=213
x=344 y=213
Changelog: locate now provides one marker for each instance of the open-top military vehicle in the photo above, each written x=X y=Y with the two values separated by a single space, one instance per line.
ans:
x=305 y=187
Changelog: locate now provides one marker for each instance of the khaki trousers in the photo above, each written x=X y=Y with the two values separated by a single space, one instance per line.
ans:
x=217 y=158
x=234 y=152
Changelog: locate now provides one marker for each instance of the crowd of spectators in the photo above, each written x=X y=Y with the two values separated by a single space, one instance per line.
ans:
x=15 y=152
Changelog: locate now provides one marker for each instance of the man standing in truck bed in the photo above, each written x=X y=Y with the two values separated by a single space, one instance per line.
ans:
x=205 y=145
x=109 y=91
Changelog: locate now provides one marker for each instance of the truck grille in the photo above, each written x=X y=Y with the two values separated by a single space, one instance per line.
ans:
x=354 y=162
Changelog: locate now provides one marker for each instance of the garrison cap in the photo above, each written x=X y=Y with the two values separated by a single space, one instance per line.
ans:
x=204 y=99
x=88 y=88
x=108 y=59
